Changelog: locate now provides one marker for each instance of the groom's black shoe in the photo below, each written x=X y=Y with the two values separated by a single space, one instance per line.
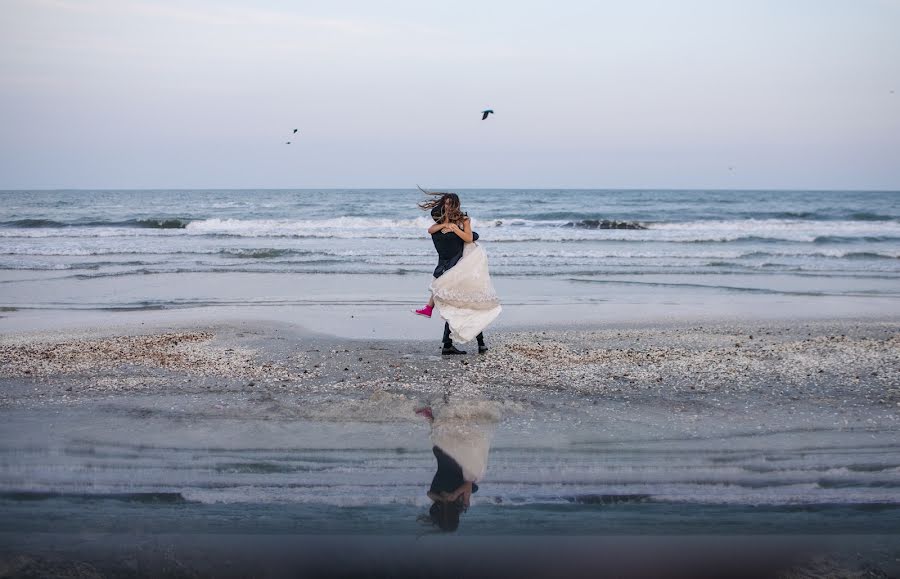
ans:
x=482 y=349
x=451 y=350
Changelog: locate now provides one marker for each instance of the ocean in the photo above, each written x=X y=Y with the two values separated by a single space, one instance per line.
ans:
x=86 y=234
x=353 y=263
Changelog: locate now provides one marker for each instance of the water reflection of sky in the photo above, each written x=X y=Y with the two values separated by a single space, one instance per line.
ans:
x=539 y=471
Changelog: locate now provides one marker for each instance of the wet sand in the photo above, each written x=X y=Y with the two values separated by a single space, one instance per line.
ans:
x=233 y=555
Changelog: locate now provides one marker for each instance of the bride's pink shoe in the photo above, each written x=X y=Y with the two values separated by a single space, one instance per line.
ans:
x=426 y=311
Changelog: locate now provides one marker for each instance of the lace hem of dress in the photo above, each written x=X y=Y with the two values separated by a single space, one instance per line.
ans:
x=477 y=300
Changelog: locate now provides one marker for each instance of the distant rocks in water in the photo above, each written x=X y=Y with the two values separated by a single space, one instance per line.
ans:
x=160 y=223
x=604 y=224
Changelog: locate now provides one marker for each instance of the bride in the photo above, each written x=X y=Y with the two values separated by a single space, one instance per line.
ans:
x=462 y=287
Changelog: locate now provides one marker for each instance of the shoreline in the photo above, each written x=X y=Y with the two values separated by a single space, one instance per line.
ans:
x=379 y=306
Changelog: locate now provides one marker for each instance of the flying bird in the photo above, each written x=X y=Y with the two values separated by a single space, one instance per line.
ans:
x=287 y=143
x=295 y=131
x=485 y=113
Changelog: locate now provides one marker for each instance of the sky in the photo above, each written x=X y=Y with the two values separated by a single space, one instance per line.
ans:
x=721 y=94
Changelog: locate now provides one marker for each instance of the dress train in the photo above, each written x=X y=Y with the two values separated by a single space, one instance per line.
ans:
x=465 y=295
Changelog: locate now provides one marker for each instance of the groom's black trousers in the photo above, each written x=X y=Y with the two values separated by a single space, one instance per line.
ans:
x=448 y=342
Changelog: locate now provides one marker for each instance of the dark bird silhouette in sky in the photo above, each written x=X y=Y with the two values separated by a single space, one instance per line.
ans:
x=287 y=143
x=485 y=113
x=295 y=131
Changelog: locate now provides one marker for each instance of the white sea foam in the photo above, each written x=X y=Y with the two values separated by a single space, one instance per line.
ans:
x=547 y=233
x=341 y=227
x=495 y=230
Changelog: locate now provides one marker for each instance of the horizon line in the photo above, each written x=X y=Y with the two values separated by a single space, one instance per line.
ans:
x=414 y=188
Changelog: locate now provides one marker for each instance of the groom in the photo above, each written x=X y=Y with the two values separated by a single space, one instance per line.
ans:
x=450 y=250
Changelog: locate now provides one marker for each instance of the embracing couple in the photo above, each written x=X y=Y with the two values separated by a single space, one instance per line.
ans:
x=461 y=287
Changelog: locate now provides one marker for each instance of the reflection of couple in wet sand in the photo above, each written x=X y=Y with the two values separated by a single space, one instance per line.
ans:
x=461 y=437
x=461 y=288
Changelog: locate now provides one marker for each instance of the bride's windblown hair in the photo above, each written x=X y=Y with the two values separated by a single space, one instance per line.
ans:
x=437 y=200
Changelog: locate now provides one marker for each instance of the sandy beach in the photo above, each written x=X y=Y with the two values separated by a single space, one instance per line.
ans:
x=785 y=426
x=828 y=362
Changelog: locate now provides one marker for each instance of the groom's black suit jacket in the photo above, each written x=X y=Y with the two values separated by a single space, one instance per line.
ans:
x=450 y=249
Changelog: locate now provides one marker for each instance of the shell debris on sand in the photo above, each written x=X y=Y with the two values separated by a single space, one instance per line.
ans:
x=187 y=352
x=622 y=360
x=835 y=361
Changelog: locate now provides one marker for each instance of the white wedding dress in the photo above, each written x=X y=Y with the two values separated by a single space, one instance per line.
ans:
x=464 y=431
x=465 y=295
